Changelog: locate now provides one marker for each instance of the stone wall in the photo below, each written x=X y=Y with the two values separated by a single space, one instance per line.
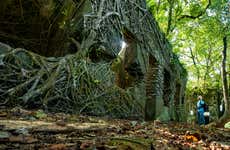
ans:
x=165 y=77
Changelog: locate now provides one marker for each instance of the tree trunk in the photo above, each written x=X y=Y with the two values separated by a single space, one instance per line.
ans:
x=226 y=115
x=195 y=64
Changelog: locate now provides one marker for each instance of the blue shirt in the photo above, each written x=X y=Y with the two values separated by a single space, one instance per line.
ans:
x=200 y=106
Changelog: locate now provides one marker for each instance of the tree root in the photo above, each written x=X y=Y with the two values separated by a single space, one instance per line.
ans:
x=66 y=84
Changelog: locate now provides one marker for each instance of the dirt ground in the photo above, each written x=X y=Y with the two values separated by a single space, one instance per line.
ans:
x=22 y=129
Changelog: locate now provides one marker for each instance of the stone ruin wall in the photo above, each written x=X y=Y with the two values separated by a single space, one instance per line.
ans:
x=165 y=80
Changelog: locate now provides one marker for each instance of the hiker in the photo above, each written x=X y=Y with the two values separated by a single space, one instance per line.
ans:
x=200 y=110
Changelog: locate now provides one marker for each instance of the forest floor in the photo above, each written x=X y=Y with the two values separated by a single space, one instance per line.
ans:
x=22 y=129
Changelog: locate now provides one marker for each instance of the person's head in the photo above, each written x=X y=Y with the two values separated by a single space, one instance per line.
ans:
x=199 y=97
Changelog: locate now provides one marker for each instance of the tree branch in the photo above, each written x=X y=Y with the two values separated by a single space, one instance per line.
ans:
x=197 y=16
x=195 y=64
x=171 y=3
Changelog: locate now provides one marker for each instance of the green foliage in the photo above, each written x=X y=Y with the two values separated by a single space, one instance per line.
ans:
x=40 y=114
x=227 y=125
x=197 y=41
x=195 y=8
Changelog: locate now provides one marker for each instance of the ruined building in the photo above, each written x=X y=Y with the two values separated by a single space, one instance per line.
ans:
x=99 y=27
x=164 y=76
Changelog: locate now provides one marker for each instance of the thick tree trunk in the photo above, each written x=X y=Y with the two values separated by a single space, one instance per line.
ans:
x=226 y=115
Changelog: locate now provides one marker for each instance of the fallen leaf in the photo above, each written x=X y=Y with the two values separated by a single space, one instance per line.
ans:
x=58 y=147
x=86 y=144
x=191 y=138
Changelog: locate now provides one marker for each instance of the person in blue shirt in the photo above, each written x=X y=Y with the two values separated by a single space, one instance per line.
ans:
x=200 y=110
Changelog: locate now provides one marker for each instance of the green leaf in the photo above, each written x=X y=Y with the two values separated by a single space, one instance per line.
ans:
x=40 y=114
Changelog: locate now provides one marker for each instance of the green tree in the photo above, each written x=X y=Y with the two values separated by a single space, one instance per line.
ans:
x=197 y=29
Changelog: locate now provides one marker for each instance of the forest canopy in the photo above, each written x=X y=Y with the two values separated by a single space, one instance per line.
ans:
x=196 y=29
x=199 y=31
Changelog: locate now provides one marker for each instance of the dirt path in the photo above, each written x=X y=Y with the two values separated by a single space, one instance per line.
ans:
x=21 y=129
